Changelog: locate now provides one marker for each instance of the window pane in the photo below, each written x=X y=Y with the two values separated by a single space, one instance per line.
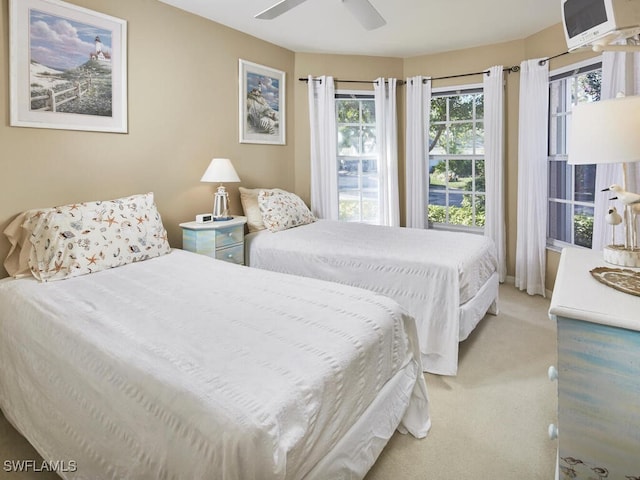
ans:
x=438 y=109
x=560 y=221
x=557 y=135
x=479 y=99
x=349 y=208
x=461 y=139
x=437 y=139
x=588 y=86
x=459 y=214
x=349 y=189
x=368 y=111
x=585 y=183
x=559 y=179
x=460 y=175
x=437 y=173
x=348 y=140
x=461 y=107
x=479 y=139
x=480 y=179
x=583 y=225
x=348 y=111
x=480 y=210
x=369 y=144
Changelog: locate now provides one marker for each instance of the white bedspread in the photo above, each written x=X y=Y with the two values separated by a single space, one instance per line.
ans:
x=431 y=273
x=188 y=367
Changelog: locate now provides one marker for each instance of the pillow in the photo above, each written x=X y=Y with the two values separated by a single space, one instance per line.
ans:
x=88 y=237
x=249 y=201
x=282 y=210
x=17 y=261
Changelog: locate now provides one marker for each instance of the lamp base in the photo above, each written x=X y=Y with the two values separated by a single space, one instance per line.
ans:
x=619 y=255
x=222 y=219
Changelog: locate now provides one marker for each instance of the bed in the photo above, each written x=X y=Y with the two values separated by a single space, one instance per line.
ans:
x=177 y=365
x=448 y=281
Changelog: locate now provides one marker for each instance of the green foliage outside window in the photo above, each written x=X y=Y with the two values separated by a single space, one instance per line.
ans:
x=583 y=230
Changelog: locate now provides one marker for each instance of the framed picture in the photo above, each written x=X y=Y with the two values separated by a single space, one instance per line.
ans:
x=68 y=67
x=262 y=94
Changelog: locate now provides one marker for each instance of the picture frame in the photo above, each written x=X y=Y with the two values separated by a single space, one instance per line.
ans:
x=262 y=93
x=68 y=67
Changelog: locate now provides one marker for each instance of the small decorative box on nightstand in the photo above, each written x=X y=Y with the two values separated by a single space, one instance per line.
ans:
x=223 y=240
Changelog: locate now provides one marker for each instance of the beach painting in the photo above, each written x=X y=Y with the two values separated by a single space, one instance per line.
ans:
x=68 y=67
x=261 y=111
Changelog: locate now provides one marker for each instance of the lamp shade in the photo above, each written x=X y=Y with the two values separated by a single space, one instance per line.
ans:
x=220 y=170
x=607 y=131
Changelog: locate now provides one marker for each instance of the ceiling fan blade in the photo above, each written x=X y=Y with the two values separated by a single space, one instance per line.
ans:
x=278 y=9
x=366 y=13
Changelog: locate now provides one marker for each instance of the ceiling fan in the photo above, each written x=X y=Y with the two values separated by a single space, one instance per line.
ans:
x=364 y=12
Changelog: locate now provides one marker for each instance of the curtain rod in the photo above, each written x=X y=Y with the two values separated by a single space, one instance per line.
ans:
x=515 y=68
x=545 y=60
x=400 y=82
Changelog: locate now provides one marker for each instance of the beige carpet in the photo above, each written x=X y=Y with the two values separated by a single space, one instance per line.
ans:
x=489 y=422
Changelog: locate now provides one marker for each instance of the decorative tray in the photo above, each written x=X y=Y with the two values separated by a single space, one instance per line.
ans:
x=627 y=281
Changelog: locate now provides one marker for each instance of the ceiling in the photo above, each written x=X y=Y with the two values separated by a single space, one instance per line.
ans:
x=414 y=27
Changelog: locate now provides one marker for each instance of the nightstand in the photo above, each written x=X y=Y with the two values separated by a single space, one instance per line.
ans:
x=222 y=240
x=598 y=372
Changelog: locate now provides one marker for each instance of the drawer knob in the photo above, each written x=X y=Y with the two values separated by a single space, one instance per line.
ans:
x=552 y=373
x=553 y=431
x=230 y=255
x=230 y=234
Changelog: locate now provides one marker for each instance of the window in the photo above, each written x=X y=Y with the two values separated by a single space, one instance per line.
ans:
x=357 y=157
x=571 y=189
x=456 y=159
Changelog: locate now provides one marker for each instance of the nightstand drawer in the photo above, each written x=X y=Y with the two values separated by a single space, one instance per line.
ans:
x=229 y=236
x=233 y=254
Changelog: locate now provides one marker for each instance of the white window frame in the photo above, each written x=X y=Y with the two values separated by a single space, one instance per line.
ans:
x=459 y=89
x=572 y=70
x=366 y=95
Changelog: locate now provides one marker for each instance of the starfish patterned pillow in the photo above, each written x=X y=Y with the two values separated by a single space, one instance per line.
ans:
x=84 y=238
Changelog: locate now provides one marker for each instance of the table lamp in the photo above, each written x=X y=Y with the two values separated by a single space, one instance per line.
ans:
x=220 y=170
x=608 y=131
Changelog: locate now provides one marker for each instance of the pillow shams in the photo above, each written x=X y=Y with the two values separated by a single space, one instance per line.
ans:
x=84 y=238
x=282 y=210
x=249 y=201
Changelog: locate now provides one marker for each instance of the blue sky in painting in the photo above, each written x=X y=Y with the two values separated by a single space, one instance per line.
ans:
x=62 y=43
x=270 y=88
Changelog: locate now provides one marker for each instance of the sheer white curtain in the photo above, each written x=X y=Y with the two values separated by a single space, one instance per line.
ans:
x=387 y=139
x=620 y=73
x=494 y=227
x=324 y=168
x=532 y=177
x=418 y=106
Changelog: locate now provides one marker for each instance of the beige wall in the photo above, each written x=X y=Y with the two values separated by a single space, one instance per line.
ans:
x=183 y=110
x=183 y=91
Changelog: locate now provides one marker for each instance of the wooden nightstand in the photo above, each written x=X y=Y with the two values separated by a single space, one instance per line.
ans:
x=598 y=372
x=221 y=240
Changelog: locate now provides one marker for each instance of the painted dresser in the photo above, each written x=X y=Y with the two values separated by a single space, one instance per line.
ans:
x=598 y=373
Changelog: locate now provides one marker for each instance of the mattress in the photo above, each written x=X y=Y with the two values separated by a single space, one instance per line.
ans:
x=185 y=366
x=433 y=274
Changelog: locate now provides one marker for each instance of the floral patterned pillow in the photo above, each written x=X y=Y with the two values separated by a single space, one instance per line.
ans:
x=88 y=237
x=282 y=210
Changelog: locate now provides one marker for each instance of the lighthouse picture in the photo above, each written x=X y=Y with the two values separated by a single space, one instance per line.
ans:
x=76 y=67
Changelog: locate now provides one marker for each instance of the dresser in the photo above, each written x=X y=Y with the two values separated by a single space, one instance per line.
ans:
x=598 y=373
x=223 y=240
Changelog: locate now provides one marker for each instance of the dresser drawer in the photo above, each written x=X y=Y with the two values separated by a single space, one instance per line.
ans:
x=229 y=236
x=233 y=254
